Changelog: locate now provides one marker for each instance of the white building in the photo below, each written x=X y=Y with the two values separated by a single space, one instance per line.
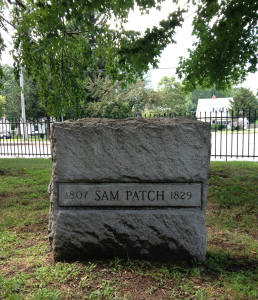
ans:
x=213 y=107
x=5 y=125
x=217 y=111
x=33 y=128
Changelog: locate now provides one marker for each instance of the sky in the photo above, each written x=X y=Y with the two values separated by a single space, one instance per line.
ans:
x=168 y=61
x=170 y=55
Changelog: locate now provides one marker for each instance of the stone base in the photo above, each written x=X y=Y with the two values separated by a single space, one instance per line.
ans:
x=148 y=234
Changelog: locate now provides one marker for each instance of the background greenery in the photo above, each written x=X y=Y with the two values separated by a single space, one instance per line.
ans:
x=106 y=98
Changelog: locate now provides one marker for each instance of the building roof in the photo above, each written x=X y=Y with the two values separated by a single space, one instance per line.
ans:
x=209 y=103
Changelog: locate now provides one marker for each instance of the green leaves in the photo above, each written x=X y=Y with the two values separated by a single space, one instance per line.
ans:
x=111 y=100
x=148 y=48
x=172 y=96
x=170 y=99
x=65 y=43
x=2 y=105
x=227 y=45
x=11 y=91
x=244 y=101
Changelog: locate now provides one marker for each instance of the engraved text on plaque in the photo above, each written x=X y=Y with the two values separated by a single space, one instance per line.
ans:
x=130 y=194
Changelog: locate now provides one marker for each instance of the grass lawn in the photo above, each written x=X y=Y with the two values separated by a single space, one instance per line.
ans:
x=27 y=269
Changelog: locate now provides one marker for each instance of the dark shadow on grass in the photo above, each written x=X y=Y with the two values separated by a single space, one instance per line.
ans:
x=216 y=264
x=10 y=172
x=220 y=262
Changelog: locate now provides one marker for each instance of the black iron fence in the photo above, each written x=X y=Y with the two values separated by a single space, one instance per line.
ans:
x=233 y=136
x=25 y=139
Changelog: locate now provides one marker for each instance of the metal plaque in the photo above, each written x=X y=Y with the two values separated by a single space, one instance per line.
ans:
x=131 y=194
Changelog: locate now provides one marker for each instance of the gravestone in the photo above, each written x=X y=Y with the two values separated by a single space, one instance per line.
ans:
x=129 y=188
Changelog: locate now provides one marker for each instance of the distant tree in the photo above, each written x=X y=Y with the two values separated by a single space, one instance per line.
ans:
x=152 y=101
x=112 y=100
x=172 y=96
x=35 y=109
x=244 y=101
x=11 y=91
x=2 y=106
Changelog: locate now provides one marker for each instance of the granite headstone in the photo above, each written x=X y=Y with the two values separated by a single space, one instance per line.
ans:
x=129 y=188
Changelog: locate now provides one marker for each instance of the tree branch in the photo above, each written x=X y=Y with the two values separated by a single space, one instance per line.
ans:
x=70 y=33
x=17 y=2
x=7 y=22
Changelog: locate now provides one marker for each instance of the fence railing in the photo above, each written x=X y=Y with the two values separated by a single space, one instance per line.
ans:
x=232 y=136
x=25 y=139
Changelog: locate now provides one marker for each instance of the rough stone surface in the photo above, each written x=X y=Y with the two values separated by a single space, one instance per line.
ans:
x=130 y=151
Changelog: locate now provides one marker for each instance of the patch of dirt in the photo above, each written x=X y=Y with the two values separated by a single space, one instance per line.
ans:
x=11 y=172
x=24 y=267
x=11 y=198
x=221 y=240
x=132 y=285
x=4 y=195
x=50 y=259
x=150 y=284
x=236 y=215
x=225 y=244
x=220 y=173
x=2 y=172
x=40 y=227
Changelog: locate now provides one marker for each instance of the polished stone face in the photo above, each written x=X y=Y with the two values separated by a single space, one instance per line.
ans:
x=129 y=188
